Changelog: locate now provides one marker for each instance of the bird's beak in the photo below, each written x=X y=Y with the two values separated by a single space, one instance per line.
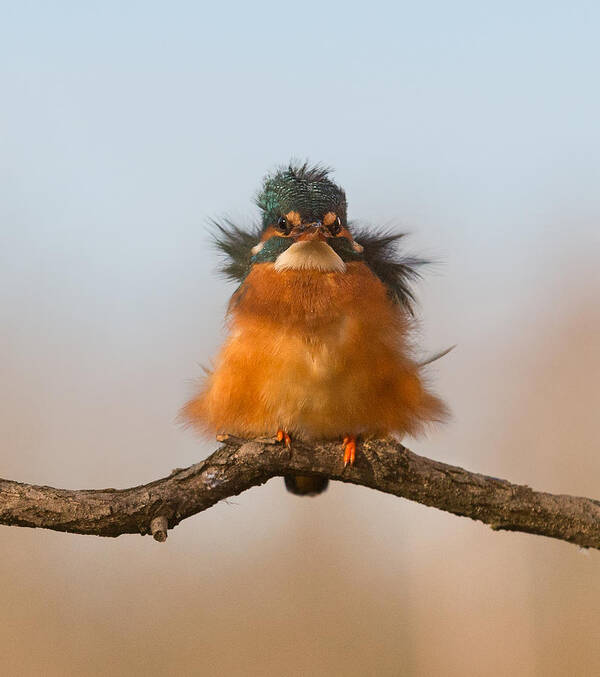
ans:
x=310 y=231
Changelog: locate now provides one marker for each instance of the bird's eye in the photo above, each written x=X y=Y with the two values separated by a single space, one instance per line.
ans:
x=336 y=226
x=284 y=225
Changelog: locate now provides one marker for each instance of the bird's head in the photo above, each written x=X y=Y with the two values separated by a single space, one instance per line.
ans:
x=304 y=222
x=304 y=227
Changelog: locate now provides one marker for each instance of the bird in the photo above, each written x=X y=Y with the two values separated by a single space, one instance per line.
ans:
x=319 y=343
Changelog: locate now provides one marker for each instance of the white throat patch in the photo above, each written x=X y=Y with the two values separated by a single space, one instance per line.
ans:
x=310 y=254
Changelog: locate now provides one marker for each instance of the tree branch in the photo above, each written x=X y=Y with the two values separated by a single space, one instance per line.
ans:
x=238 y=464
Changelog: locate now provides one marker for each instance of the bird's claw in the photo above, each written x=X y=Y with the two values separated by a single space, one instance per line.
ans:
x=349 y=449
x=282 y=436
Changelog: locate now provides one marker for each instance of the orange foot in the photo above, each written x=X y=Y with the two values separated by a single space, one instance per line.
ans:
x=282 y=436
x=349 y=449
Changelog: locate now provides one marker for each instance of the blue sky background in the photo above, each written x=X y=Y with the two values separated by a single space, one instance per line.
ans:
x=124 y=126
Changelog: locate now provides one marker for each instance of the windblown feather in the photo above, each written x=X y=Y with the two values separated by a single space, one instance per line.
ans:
x=235 y=245
x=396 y=271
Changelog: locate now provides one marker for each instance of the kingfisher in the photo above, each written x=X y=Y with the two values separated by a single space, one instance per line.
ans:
x=319 y=328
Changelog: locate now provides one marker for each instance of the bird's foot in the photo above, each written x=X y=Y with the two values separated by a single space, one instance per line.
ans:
x=282 y=436
x=349 y=449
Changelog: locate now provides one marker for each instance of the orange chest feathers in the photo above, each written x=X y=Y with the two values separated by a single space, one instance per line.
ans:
x=317 y=354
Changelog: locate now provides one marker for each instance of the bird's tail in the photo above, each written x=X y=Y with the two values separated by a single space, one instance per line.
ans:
x=306 y=485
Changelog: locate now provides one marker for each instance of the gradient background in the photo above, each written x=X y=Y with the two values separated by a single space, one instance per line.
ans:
x=123 y=127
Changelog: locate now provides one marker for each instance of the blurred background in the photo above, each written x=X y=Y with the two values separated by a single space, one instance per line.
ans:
x=123 y=128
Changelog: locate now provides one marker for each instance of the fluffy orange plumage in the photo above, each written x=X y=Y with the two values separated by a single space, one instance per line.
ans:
x=319 y=354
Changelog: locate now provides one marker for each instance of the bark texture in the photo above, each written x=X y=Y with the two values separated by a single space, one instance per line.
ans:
x=384 y=465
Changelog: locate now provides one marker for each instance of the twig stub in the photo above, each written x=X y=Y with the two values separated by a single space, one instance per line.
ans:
x=158 y=528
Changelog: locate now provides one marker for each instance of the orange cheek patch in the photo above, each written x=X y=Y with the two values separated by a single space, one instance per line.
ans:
x=293 y=218
x=329 y=218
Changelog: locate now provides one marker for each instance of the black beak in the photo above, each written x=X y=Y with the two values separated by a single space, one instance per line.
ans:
x=310 y=231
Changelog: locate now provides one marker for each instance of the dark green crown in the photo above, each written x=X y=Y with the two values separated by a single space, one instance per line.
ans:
x=301 y=188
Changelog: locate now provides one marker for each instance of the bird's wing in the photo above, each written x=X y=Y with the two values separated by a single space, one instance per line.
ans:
x=235 y=244
x=395 y=270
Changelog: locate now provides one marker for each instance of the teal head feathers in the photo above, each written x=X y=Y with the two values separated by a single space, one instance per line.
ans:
x=303 y=189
